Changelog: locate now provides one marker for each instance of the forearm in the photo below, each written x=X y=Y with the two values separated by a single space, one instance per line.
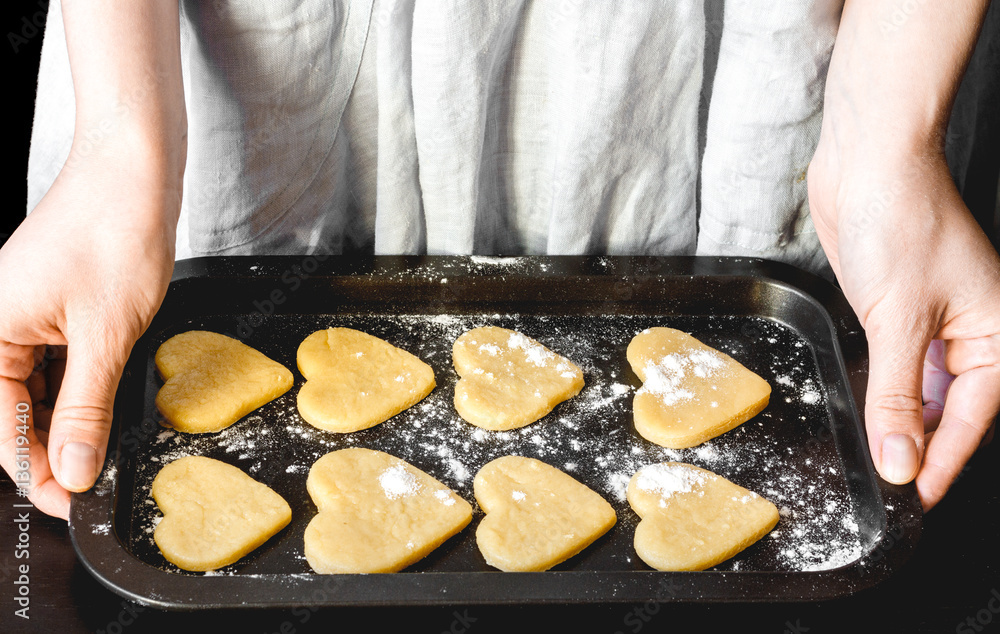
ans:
x=895 y=69
x=130 y=114
x=910 y=258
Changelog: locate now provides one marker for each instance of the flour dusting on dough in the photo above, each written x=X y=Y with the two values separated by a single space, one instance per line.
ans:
x=490 y=348
x=536 y=353
x=445 y=497
x=664 y=379
x=397 y=482
x=666 y=479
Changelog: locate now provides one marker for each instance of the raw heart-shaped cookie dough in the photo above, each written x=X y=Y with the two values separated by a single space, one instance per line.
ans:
x=536 y=515
x=212 y=381
x=693 y=519
x=377 y=513
x=509 y=380
x=213 y=513
x=691 y=392
x=355 y=381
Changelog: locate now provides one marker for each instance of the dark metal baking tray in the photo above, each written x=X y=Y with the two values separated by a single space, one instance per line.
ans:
x=842 y=528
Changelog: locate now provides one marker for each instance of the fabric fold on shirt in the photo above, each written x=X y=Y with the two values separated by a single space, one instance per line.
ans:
x=763 y=126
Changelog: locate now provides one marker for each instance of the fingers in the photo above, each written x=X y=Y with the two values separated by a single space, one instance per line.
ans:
x=972 y=406
x=964 y=354
x=16 y=361
x=894 y=407
x=22 y=452
x=50 y=498
x=81 y=419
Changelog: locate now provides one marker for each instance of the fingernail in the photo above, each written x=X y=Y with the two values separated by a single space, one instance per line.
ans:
x=78 y=463
x=899 y=458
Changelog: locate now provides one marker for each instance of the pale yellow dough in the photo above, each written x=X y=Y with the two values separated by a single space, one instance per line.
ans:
x=377 y=513
x=212 y=381
x=536 y=515
x=691 y=392
x=693 y=519
x=213 y=513
x=509 y=380
x=355 y=381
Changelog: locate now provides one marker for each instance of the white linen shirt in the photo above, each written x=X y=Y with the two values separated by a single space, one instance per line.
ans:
x=488 y=126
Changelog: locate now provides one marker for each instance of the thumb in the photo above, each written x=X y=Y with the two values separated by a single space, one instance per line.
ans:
x=894 y=404
x=81 y=419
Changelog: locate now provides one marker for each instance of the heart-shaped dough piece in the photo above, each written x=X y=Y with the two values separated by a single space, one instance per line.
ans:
x=377 y=513
x=693 y=519
x=213 y=513
x=691 y=392
x=509 y=380
x=536 y=515
x=212 y=381
x=355 y=381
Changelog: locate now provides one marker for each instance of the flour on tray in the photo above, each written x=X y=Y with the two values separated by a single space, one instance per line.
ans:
x=590 y=436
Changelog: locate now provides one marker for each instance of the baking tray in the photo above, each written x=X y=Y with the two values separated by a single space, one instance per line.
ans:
x=841 y=529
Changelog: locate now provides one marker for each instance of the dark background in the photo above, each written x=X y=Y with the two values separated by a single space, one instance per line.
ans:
x=20 y=64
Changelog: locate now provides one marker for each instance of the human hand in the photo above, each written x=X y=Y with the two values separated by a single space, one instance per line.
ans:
x=87 y=269
x=922 y=278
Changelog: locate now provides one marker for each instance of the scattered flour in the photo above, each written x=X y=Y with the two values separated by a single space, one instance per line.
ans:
x=496 y=261
x=589 y=436
x=807 y=391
